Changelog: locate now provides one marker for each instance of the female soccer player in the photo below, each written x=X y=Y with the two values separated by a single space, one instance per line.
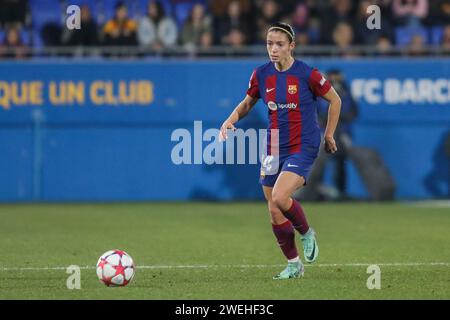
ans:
x=290 y=89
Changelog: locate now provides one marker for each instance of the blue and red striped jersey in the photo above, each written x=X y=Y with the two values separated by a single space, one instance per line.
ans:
x=291 y=98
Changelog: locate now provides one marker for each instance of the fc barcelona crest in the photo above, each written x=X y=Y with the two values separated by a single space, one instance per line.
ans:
x=292 y=89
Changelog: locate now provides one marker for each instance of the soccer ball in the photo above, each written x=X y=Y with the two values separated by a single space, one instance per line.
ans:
x=115 y=268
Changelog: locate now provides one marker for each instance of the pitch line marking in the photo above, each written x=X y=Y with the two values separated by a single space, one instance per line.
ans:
x=323 y=265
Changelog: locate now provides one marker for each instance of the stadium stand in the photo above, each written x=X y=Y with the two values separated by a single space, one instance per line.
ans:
x=44 y=25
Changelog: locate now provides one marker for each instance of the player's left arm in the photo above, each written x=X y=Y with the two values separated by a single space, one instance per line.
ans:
x=333 y=117
x=323 y=88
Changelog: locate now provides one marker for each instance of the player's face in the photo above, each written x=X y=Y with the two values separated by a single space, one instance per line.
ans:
x=278 y=46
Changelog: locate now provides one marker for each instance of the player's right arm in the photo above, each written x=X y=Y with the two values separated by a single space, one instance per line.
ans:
x=242 y=109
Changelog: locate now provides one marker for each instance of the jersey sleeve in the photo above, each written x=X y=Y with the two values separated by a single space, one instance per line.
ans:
x=253 y=86
x=318 y=84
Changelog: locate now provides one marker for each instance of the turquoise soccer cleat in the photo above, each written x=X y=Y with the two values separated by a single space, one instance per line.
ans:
x=293 y=270
x=310 y=247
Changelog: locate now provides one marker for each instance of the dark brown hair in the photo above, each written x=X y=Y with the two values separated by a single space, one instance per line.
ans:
x=283 y=27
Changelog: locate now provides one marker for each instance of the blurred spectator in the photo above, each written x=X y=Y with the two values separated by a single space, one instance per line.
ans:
x=384 y=45
x=120 y=30
x=343 y=39
x=314 y=7
x=306 y=27
x=236 y=44
x=219 y=8
x=318 y=7
x=243 y=22
x=445 y=42
x=410 y=12
x=300 y=17
x=13 y=11
x=314 y=30
x=233 y=19
x=385 y=8
x=343 y=137
x=206 y=40
x=156 y=30
x=196 y=24
x=206 y=43
x=364 y=35
x=12 y=45
x=416 y=46
x=236 y=38
x=269 y=13
x=437 y=180
x=439 y=12
x=301 y=38
x=51 y=34
x=87 y=35
x=341 y=11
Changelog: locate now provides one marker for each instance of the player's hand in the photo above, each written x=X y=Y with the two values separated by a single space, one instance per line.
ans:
x=330 y=145
x=223 y=135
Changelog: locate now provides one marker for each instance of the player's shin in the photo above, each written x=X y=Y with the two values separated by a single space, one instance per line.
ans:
x=297 y=217
x=285 y=235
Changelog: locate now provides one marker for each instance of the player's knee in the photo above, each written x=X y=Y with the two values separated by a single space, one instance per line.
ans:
x=276 y=216
x=280 y=200
x=273 y=209
x=277 y=219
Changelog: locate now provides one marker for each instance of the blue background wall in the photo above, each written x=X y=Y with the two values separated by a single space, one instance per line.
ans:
x=99 y=152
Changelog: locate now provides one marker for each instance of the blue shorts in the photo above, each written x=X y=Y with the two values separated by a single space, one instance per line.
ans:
x=298 y=163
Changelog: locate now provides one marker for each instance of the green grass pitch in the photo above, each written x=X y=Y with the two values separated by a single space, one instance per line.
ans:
x=223 y=251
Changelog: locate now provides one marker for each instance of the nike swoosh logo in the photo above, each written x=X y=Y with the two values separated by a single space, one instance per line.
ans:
x=312 y=254
x=292 y=165
x=268 y=90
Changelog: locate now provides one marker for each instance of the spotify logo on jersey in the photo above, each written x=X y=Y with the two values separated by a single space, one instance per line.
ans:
x=272 y=105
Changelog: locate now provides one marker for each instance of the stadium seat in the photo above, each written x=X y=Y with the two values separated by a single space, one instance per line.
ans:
x=107 y=9
x=44 y=11
x=90 y=3
x=93 y=6
x=166 y=4
x=134 y=9
x=436 y=34
x=25 y=36
x=182 y=12
x=403 y=35
x=37 y=39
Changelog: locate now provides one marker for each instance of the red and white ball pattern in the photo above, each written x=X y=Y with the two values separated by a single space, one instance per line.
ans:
x=115 y=268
